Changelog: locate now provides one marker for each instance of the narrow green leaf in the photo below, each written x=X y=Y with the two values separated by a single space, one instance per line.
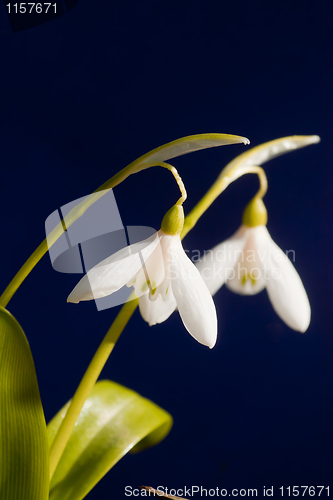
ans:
x=186 y=145
x=267 y=151
x=163 y=153
x=113 y=421
x=24 y=472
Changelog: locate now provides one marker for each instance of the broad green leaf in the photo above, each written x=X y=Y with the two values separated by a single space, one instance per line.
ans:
x=113 y=421
x=24 y=471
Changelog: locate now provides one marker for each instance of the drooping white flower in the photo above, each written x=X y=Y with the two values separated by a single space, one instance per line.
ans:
x=250 y=261
x=159 y=270
x=158 y=311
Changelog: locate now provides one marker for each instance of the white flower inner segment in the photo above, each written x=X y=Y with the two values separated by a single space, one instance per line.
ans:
x=163 y=278
x=250 y=261
x=182 y=287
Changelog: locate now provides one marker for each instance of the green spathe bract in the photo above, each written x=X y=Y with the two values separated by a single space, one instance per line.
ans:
x=113 y=421
x=24 y=471
x=173 y=221
x=255 y=213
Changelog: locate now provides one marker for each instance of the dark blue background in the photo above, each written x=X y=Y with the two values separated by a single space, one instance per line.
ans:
x=84 y=95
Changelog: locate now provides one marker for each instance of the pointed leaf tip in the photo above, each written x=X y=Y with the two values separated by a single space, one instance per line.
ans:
x=186 y=145
x=262 y=153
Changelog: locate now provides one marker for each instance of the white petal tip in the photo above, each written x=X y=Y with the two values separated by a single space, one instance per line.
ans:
x=208 y=343
x=315 y=139
x=246 y=141
x=298 y=324
x=303 y=328
x=205 y=343
x=71 y=301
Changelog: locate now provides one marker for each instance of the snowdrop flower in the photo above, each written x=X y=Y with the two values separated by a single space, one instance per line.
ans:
x=167 y=276
x=250 y=261
x=159 y=311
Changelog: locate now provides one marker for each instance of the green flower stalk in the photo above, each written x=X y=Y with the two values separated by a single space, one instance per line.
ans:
x=156 y=156
x=199 y=321
x=255 y=215
x=238 y=167
x=173 y=224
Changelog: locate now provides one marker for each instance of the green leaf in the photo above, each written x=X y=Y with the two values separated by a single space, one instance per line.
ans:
x=267 y=151
x=113 y=421
x=186 y=145
x=24 y=471
x=179 y=147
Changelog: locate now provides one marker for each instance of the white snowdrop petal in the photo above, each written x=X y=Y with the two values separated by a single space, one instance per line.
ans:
x=217 y=265
x=103 y=280
x=152 y=273
x=248 y=276
x=158 y=310
x=114 y=272
x=286 y=291
x=155 y=269
x=250 y=284
x=132 y=281
x=140 y=285
x=194 y=302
